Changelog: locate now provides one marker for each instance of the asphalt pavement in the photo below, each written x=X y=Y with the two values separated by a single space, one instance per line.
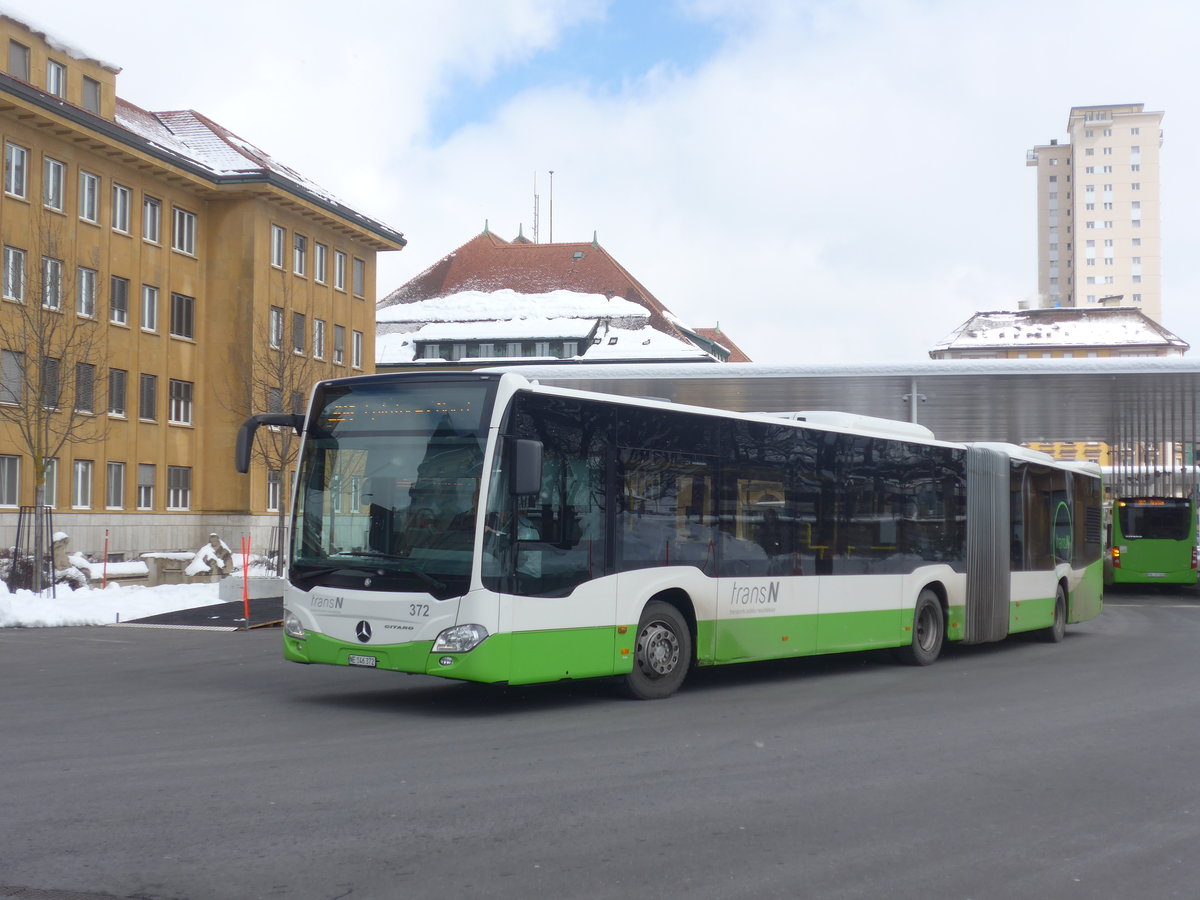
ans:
x=172 y=764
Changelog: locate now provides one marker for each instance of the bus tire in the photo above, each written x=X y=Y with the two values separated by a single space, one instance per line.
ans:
x=662 y=653
x=1058 y=629
x=928 y=631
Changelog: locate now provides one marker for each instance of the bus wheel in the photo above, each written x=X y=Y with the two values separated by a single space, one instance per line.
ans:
x=1057 y=631
x=929 y=631
x=662 y=655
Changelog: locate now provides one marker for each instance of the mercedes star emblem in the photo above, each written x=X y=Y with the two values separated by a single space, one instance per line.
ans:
x=363 y=630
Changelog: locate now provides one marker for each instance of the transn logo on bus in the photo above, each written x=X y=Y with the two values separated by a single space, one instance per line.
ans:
x=754 y=595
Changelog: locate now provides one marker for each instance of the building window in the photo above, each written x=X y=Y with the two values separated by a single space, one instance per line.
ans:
x=10 y=469
x=114 y=489
x=320 y=262
x=299 y=254
x=14 y=274
x=56 y=78
x=570 y=349
x=512 y=348
x=54 y=177
x=149 y=308
x=151 y=219
x=318 y=339
x=278 y=240
x=89 y=197
x=121 y=211
x=183 y=237
x=50 y=482
x=339 y=270
x=85 y=387
x=51 y=283
x=118 y=300
x=91 y=95
x=16 y=170
x=339 y=344
x=183 y=316
x=81 y=484
x=431 y=351
x=18 y=60
x=179 y=487
x=298 y=328
x=541 y=348
x=85 y=301
x=274 y=483
x=356 y=349
x=117 y=379
x=148 y=397
x=360 y=278
x=12 y=376
x=275 y=328
x=180 y=408
x=145 y=486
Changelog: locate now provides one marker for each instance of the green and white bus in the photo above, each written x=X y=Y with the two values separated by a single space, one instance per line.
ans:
x=483 y=527
x=1154 y=541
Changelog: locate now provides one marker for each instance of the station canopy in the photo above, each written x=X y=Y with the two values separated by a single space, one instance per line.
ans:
x=1117 y=400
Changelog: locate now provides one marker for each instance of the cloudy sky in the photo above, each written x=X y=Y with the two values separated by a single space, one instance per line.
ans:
x=827 y=180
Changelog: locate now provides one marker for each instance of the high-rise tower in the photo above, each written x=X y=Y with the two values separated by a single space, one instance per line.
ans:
x=1098 y=210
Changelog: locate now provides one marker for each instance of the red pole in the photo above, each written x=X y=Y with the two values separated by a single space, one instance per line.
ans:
x=104 y=568
x=246 y=578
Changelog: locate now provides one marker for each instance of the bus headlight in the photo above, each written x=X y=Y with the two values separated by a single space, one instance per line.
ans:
x=292 y=627
x=459 y=639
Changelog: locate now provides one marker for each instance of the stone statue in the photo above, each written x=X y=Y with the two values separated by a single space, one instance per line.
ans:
x=61 y=561
x=219 y=556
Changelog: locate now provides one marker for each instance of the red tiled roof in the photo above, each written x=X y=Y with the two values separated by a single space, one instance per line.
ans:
x=490 y=263
x=717 y=336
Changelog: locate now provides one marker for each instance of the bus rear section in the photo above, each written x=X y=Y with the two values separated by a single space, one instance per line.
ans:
x=1154 y=541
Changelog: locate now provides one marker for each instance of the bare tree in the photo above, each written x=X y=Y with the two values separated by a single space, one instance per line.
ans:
x=275 y=375
x=51 y=350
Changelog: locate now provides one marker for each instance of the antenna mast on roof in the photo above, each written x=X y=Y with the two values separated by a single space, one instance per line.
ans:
x=552 y=206
x=537 y=204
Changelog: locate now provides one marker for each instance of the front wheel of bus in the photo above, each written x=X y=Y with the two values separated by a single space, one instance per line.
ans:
x=662 y=653
x=928 y=632
x=1058 y=630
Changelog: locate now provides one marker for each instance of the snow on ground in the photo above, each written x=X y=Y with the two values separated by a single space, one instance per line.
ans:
x=96 y=606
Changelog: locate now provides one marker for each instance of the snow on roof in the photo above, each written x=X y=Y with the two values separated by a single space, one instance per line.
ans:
x=492 y=306
x=61 y=46
x=1061 y=327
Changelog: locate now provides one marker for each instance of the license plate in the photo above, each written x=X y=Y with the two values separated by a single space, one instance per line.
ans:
x=361 y=660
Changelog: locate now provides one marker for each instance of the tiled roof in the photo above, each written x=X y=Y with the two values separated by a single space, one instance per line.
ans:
x=490 y=263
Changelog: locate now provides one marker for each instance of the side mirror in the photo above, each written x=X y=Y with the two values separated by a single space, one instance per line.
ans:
x=526 y=467
x=245 y=437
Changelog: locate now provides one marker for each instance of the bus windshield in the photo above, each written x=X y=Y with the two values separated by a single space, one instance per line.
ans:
x=1164 y=519
x=389 y=485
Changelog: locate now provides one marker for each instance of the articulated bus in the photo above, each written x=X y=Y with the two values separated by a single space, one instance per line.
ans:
x=483 y=527
x=1154 y=541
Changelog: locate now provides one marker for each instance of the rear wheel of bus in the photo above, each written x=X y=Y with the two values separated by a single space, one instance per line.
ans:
x=928 y=631
x=662 y=652
x=1058 y=629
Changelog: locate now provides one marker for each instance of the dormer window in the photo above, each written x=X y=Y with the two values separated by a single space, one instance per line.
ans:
x=56 y=78
x=91 y=95
x=18 y=60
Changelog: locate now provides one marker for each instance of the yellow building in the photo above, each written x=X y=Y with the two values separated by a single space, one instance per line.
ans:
x=190 y=268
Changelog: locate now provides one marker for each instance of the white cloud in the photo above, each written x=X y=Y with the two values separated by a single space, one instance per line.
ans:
x=843 y=180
